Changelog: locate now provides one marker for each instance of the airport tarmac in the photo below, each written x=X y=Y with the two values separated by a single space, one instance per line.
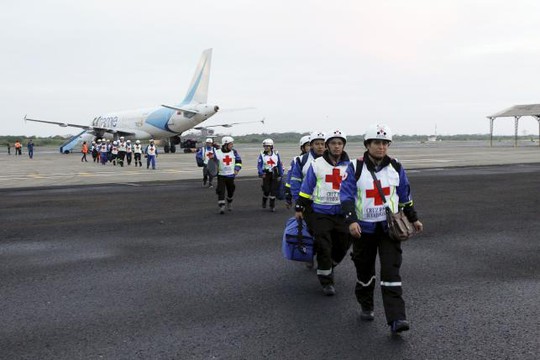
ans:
x=150 y=270
x=50 y=168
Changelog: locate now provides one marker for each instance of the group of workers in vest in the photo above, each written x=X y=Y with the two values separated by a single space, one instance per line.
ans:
x=120 y=151
x=339 y=200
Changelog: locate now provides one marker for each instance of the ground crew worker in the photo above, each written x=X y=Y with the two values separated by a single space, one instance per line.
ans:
x=151 y=154
x=129 y=152
x=270 y=169
x=18 y=147
x=229 y=164
x=8 y=149
x=304 y=148
x=84 y=151
x=30 y=147
x=365 y=213
x=301 y=166
x=318 y=203
x=121 y=151
x=137 y=151
x=205 y=154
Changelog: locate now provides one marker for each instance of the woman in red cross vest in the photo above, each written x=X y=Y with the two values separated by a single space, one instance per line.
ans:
x=229 y=164
x=365 y=212
x=270 y=169
x=318 y=203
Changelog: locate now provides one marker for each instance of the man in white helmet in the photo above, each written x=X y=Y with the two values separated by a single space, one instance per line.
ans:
x=229 y=164
x=365 y=211
x=318 y=203
x=151 y=153
x=304 y=148
x=114 y=152
x=137 y=153
x=203 y=156
x=121 y=151
x=270 y=169
x=301 y=165
x=129 y=151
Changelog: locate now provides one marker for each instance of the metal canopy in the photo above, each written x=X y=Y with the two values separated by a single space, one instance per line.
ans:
x=516 y=112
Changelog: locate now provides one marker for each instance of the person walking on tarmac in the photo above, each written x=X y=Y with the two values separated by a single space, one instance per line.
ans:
x=270 y=169
x=137 y=153
x=18 y=147
x=203 y=156
x=304 y=148
x=151 y=154
x=30 y=147
x=121 y=151
x=84 y=151
x=302 y=164
x=318 y=202
x=229 y=164
x=365 y=213
x=129 y=152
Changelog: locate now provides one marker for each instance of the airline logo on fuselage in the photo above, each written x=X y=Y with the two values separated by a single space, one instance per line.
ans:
x=105 y=122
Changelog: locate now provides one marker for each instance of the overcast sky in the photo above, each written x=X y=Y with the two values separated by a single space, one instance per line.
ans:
x=304 y=65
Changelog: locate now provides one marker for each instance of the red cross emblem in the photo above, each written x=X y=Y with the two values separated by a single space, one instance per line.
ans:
x=209 y=154
x=335 y=179
x=374 y=193
x=271 y=162
x=227 y=160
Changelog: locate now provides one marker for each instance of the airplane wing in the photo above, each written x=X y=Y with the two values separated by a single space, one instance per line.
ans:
x=228 y=125
x=62 y=124
x=96 y=130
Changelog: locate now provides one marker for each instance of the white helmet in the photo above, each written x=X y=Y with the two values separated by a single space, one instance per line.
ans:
x=336 y=134
x=98 y=140
x=151 y=140
x=226 y=140
x=378 y=132
x=137 y=141
x=129 y=141
x=317 y=135
x=209 y=140
x=304 y=140
x=122 y=138
x=268 y=142
x=115 y=142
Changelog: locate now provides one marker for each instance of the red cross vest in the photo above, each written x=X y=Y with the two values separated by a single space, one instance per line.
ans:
x=226 y=162
x=329 y=178
x=270 y=161
x=207 y=153
x=370 y=207
x=137 y=149
x=151 y=150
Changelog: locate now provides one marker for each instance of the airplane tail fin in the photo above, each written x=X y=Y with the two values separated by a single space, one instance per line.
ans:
x=198 y=89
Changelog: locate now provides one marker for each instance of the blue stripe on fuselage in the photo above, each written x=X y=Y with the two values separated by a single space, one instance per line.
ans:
x=160 y=118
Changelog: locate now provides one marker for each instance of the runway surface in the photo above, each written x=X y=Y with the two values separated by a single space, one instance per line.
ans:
x=50 y=168
x=149 y=270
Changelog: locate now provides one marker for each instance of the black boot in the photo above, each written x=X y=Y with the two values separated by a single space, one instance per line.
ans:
x=264 y=199
x=272 y=204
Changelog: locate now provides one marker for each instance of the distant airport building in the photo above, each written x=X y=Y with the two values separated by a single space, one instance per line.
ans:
x=516 y=112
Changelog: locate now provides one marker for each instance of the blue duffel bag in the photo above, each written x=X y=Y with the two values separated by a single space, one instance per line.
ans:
x=297 y=243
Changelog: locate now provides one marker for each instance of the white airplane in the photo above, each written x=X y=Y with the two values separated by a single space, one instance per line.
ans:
x=164 y=122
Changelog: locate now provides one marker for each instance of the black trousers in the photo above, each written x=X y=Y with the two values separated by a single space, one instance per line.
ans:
x=332 y=241
x=364 y=254
x=225 y=183
x=270 y=185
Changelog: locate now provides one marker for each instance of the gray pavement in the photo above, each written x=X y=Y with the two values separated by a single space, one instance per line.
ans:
x=50 y=168
x=149 y=270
